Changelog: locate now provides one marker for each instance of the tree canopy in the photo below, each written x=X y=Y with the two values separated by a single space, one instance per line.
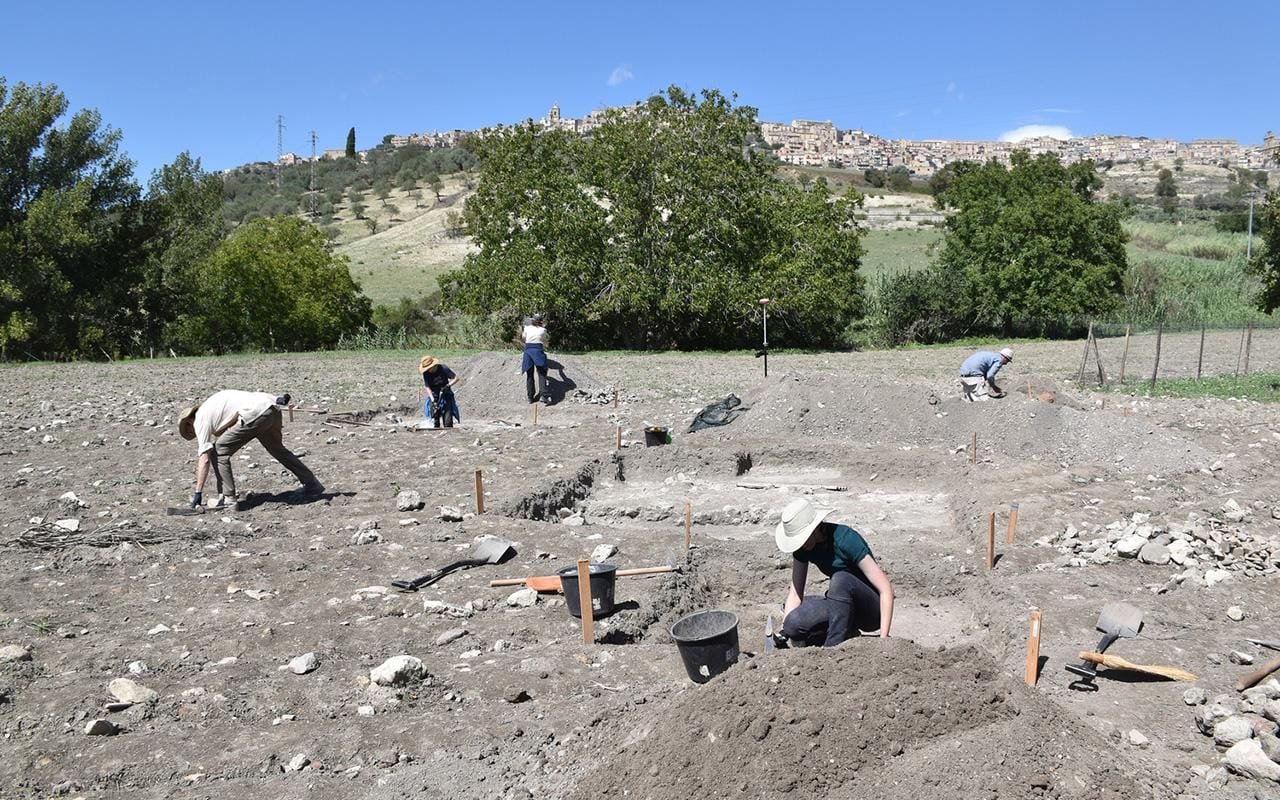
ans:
x=662 y=228
x=1026 y=247
x=274 y=283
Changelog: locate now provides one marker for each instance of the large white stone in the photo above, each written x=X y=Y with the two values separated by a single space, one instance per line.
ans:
x=1231 y=730
x=1247 y=758
x=397 y=671
x=1129 y=546
x=127 y=691
x=307 y=662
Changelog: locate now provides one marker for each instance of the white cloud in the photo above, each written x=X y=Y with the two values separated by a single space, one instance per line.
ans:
x=951 y=87
x=621 y=74
x=1032 y=131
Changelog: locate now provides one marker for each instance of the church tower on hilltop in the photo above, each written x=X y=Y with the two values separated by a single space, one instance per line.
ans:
x=554 y=115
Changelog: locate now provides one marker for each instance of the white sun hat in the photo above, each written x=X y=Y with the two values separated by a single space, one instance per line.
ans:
x=799 y=519
x=1007 y=353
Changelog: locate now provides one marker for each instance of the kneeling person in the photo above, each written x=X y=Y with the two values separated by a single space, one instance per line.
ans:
x=226 y=422
x=978 y=374
x=860 y=596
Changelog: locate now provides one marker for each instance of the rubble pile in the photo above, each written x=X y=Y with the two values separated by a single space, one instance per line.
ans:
x=1209 y=549
x=1244 y=729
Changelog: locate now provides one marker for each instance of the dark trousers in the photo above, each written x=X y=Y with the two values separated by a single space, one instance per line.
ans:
x=542 y=383
x=850 y=605
x=267 y=429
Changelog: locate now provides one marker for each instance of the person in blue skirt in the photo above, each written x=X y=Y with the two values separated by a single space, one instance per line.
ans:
x=533 y=335
x=441 y=405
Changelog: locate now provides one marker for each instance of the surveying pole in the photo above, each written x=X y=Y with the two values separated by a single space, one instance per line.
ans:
x=764 y=322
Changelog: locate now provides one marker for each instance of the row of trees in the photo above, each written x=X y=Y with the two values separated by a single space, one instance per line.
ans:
x=661 y=229
x=92 y=265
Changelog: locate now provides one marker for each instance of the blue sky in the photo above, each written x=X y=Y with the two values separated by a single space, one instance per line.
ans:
x=211 y=77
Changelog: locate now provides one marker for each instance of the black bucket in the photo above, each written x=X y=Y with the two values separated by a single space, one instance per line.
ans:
x=708 y=642
x=603 y=577
x=655 y=436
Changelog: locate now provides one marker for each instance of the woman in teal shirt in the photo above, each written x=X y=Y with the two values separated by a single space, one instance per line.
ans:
x=860 y=596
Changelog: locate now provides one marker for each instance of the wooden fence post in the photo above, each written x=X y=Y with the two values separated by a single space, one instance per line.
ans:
x=1013 y=524
x=1155 y=368
x=1085 y=361
x=991 y=540
x=1033 y=649
x=479 y=491
x=1200 y=355
x=1125 y=355
x=1248 y=345
x=1102 y=376
x=585 y=607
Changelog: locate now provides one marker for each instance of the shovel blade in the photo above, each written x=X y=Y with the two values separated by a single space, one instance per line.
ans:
x=1122 y=619
x=493 y=551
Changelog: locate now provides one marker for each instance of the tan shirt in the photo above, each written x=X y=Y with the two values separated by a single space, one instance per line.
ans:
x=221 y=407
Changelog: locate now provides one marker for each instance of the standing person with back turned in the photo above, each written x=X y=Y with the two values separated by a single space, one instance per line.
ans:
x=859 y=597
x=533 y=335
x=441 y=405
x=978 y=375
x=227 y=421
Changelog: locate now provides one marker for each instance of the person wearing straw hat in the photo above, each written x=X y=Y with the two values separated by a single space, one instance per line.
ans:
x=978 y=374
x=859 y=597
x=441 y=405
x=533 y=337
x=225 y=422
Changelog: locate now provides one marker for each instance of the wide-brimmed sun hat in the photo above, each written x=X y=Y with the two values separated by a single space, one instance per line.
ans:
x=427 y=363
x=1007 y=353
x=186 y=422
x=799 y=519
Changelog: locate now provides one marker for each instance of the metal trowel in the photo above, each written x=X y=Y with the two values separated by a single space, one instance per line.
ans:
x=1117 y=621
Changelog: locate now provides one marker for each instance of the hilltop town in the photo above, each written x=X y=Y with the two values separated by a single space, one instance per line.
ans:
x=814 y=143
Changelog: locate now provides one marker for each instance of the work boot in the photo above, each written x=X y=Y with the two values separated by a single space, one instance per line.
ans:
x=227 y=503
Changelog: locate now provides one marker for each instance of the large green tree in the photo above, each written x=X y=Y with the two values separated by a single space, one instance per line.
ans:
x=273 y=284
x=1167 y=191
x=660 y=229
x=351 y=143
x=1266 y=262
x=1028 y=244
x=69 y=239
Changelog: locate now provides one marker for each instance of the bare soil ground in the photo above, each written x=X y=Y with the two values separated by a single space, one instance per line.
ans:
x=210 y=610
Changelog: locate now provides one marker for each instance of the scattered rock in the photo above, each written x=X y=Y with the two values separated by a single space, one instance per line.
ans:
x=159 y=629
x=366 y=537
x=297 y=763
x=1195 y=696
x=70 y=525
x=307 y=662
x=126 y=691
x=515 y=694
x=1231 y=730
x=1271 y=710
x=1154 y=553
x=575 y=521
x=602 y=553
x=137 y=668
x=1247 y=758
x=451 y=635
x=1208 y=716
x=1130 y=546
x=1270 y=745
x=14 y=652
x=409 y=500
x=105 y=727
x=522 y=598
x=398 y=671
x=1239 y=657
x=365 y=711
x=1213 y=577
x=1137 y=739
x=1235 y=613
x=450 y=514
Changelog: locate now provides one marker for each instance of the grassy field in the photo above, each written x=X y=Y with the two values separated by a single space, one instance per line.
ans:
x=1263 y=387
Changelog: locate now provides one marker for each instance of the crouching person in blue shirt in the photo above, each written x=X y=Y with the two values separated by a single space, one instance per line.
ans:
x=978 y=374
x=859 y=598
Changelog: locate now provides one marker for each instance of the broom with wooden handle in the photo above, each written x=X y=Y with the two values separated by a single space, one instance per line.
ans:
x=1116 y=662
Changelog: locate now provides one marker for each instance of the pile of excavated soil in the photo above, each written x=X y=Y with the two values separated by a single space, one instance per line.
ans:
x=872 y=412
x=884 y=719
x=492 y=383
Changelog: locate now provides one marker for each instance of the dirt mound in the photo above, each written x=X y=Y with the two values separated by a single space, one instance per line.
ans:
x=890 y=715
x=492 y=383
x=842 y=408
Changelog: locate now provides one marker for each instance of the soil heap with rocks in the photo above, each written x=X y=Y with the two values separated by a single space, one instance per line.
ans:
x=877 y=718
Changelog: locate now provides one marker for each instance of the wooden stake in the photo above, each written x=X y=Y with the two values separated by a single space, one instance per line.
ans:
x=479 y=491
x=973 y=449
x=1013 y=524
x=585 y=606
x=1029 y=396
x=1200 y=357
x=1033 y=649
x=535 y=412
x=291 y=413
x=1240 y=352
x=1248 y=345
x=991 y=540
x=1155 y=368
x=618 y=443
x=1125 y=355
x=615 y=398
x=688 y=523
x=1085 y=361
x=1102 y=376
